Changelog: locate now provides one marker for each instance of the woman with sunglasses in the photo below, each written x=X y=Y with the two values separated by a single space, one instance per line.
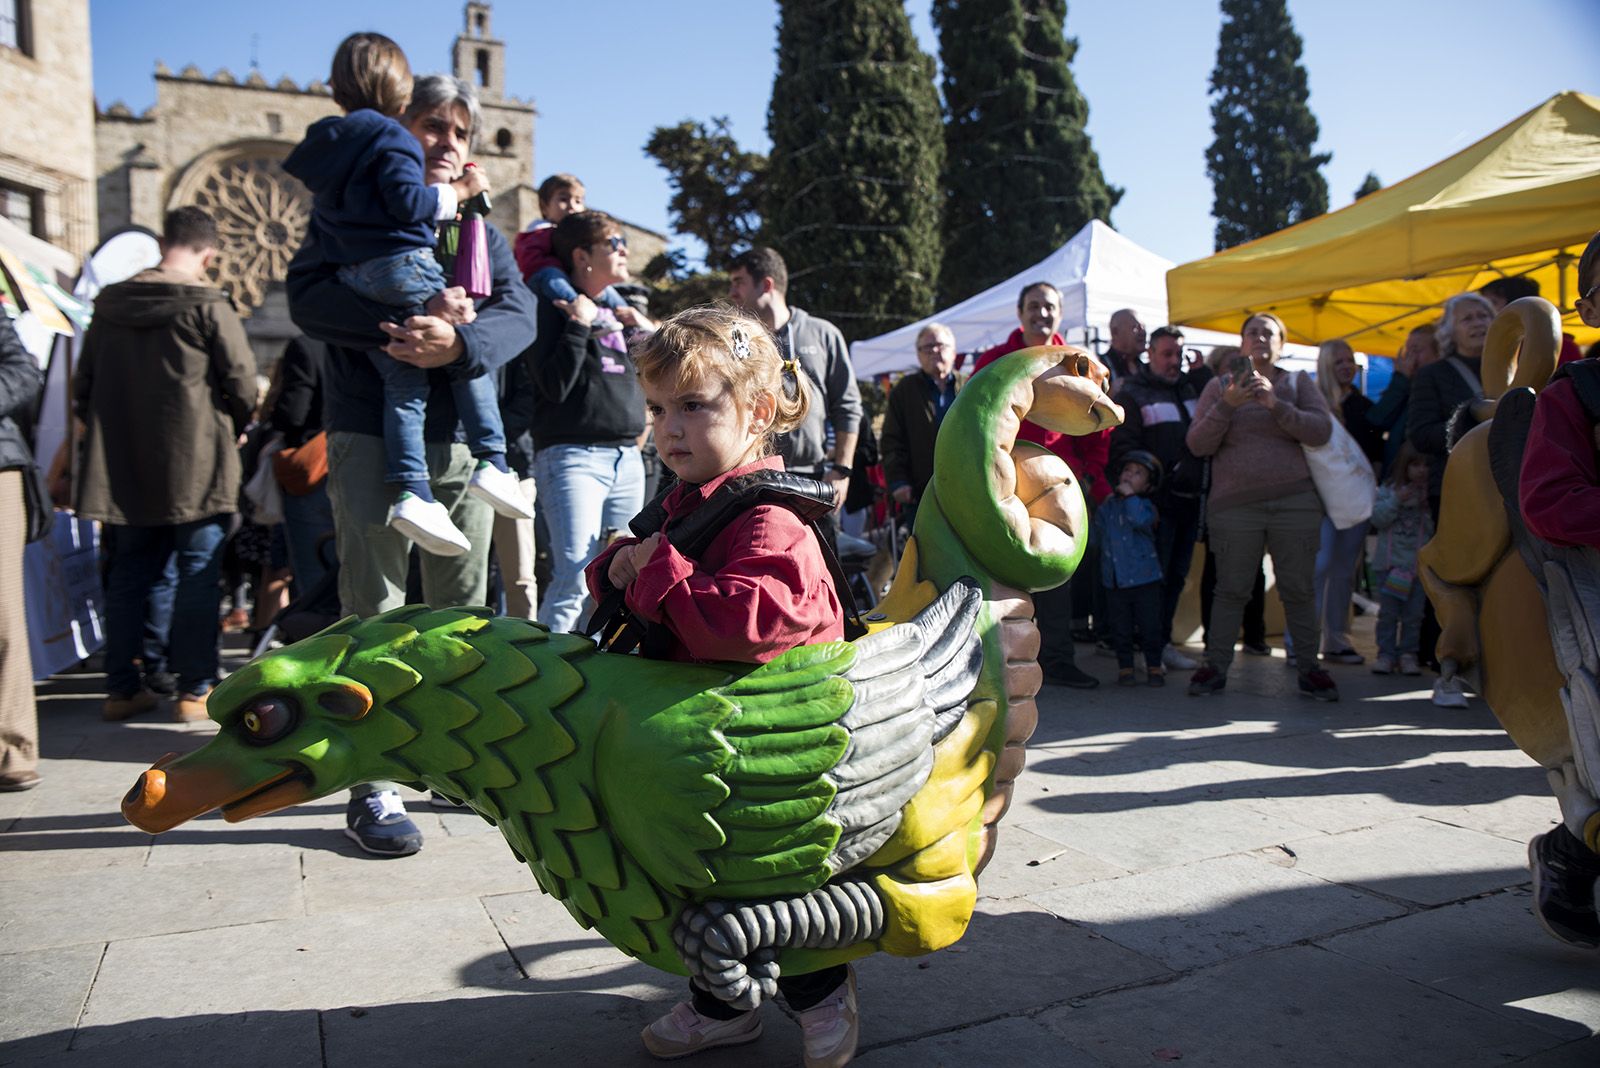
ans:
x=588 y=411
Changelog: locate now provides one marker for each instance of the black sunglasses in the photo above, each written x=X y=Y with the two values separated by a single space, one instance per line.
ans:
x=617 y=242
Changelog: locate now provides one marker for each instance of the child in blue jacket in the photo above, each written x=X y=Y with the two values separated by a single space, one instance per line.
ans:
x=376 y=218
x=1130 y=569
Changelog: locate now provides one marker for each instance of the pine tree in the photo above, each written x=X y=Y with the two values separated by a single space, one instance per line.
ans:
x=716 y=186
x=1261 y=165
x=852 y=188
x=1021 y=176
x=1370 y=184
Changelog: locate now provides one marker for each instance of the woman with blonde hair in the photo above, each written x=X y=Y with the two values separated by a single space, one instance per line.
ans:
x=1340 y=550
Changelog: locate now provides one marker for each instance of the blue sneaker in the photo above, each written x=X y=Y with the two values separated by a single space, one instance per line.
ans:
x=378 y=824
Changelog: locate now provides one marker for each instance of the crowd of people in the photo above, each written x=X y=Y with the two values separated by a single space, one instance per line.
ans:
x=416 y=416
x=1221 y=452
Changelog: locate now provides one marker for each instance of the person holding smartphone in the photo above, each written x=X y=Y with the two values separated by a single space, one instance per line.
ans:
x=1253 y=422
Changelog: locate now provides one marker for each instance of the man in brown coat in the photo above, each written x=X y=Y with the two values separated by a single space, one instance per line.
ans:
x=165 y=384
x=915 y=408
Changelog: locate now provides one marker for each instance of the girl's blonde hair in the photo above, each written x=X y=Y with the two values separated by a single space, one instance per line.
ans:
x=718 y=343
x=1326 y=353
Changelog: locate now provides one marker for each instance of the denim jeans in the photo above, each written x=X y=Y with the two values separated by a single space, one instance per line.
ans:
x=1335 y=578
x=158 y=618
x=584 y=491
x=553 y=284
x=1400 y=615
x=405 y=407
x=406 y=280
x=306 y=520
x=158 y=605
x=138 y=557
x=1136 y=608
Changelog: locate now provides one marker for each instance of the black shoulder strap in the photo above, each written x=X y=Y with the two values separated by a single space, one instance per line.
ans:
x=618 y=630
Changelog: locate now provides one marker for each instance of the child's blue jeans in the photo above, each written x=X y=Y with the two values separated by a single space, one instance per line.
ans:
x=1404 y=616
x=552 y=284
x=407 y=280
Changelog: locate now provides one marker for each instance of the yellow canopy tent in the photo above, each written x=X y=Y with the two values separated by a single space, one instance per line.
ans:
x=1524 y=200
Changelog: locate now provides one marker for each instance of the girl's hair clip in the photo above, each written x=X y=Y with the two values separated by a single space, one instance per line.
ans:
x=740 y=344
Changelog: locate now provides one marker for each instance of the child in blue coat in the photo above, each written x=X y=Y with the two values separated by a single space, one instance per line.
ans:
x=1130 y=568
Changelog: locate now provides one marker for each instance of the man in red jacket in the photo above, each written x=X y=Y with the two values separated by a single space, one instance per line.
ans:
x=1560 y=501
x=1039 y=312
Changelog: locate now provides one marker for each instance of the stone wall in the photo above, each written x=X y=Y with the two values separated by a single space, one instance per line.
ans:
x=47 y=97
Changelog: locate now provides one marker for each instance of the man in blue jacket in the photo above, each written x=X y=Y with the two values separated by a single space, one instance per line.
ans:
x=373 y=557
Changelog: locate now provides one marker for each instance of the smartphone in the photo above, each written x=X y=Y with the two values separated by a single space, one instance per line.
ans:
x=1240 y=367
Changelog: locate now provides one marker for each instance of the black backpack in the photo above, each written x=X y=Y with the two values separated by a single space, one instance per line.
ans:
x=617 y=630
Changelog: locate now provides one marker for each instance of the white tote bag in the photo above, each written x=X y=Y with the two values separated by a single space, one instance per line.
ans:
x=263 y=489
x=1343 y=476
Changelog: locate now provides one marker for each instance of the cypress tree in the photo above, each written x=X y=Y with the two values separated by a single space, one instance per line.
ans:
x=1021 y=176
x=852 y=184
x=1370 y=184
x=1262 y=169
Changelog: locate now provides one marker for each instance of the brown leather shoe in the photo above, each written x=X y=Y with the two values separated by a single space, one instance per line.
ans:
x=19 y=780
x=118 y=708
x=189 y=708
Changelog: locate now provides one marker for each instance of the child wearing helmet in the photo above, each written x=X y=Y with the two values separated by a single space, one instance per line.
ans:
x=1130 y=567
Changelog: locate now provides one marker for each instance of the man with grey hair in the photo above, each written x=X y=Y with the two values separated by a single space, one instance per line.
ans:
x=916 y=406
x=374 y=557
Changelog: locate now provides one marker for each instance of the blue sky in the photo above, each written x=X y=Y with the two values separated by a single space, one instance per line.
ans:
x=1396 y=84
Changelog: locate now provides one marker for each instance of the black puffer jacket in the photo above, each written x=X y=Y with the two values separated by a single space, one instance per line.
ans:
x=1437 y=391
x=20 y=384
x=1156 y=416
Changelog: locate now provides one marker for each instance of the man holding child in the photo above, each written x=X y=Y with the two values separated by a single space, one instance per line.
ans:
x=443 y=115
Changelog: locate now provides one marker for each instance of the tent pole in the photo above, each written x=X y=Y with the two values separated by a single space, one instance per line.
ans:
x=1564 y=259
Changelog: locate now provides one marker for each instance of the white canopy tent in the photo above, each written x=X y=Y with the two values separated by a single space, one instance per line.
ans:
x=1098 y=271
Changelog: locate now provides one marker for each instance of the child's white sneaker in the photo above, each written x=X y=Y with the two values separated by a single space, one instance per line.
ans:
x=1449 y=693
x=428 y=524
x=1383 y=665
x=684 y=1031
x=832 y=1027
x=500 y=490
x=1409 y=665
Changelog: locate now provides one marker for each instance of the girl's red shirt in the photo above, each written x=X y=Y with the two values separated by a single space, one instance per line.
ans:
x=761 y=588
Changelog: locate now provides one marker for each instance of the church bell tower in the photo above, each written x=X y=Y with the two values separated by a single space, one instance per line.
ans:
x=477 y=56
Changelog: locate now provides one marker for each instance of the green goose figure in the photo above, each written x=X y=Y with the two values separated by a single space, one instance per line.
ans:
x=727 y=821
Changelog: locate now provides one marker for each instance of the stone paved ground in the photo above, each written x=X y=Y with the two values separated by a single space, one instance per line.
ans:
x=1249 y=879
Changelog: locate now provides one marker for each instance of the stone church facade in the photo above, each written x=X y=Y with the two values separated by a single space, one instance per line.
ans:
x=219 y=142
